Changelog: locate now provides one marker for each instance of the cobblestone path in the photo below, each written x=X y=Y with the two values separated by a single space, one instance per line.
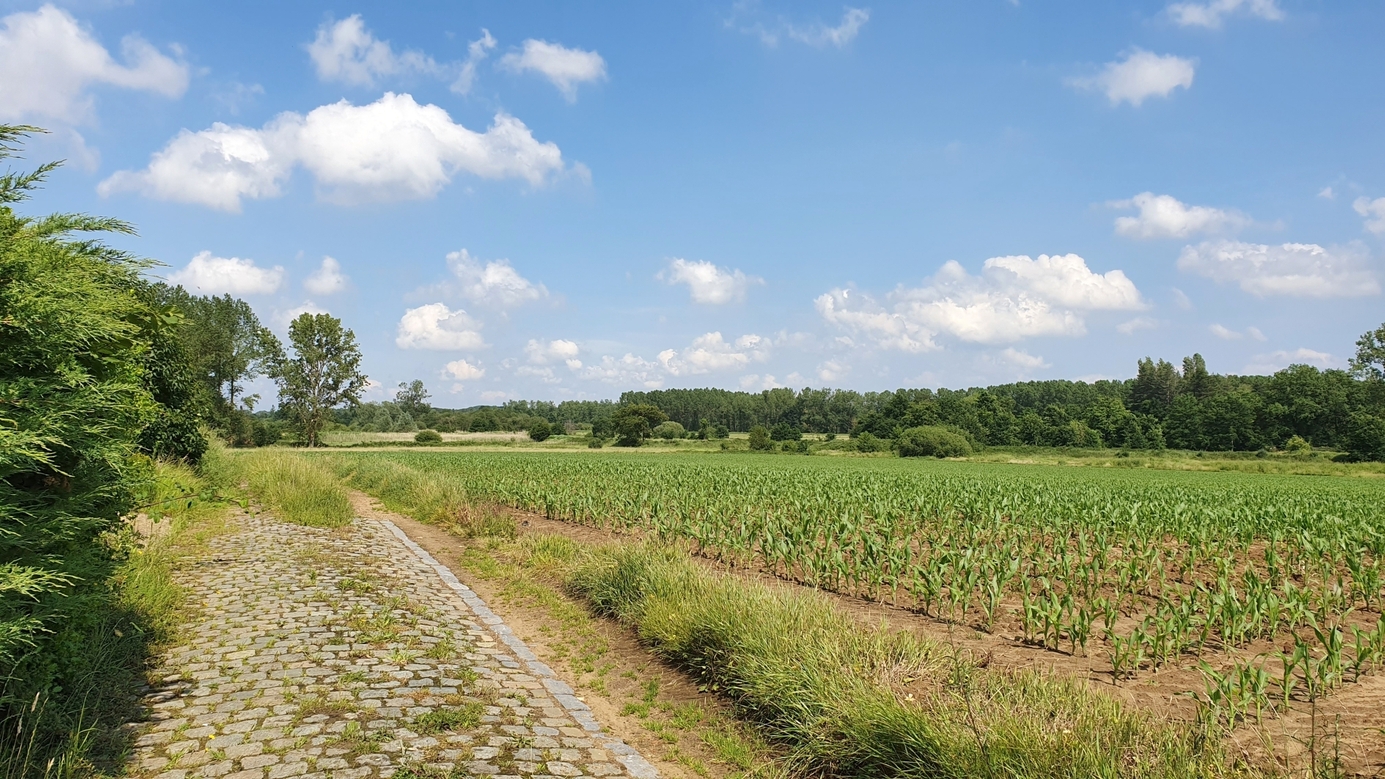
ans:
x=351 y=653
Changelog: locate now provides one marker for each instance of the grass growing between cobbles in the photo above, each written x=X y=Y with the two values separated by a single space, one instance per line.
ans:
x=297 y=488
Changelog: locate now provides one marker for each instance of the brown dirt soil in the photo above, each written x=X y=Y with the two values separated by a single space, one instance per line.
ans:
x=632 y=666
x=1350 y=723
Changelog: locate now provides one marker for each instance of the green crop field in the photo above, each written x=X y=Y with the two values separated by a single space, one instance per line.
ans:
x=1281 y=576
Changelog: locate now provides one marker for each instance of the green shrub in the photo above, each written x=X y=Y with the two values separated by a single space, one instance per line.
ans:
x=266 y=432
x=867 y=442
x=932 y=441
x=595 y=443
x=1366 y=441
x=760 y=440
x=669 y=431
x=1296 y=445
x=540 y=430
x=784 y=431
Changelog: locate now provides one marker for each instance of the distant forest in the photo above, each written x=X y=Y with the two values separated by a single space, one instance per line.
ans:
x=1164 y=406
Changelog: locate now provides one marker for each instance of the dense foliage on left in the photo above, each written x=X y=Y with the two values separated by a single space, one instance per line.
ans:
x=95 y=382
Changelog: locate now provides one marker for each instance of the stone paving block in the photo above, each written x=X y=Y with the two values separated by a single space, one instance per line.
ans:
x=306 y=658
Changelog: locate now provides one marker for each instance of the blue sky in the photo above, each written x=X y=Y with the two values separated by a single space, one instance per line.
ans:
x=547 y=200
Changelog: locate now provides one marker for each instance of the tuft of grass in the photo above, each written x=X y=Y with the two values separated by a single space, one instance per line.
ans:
x=297 y=487
x=877 y=702
x=468 y=715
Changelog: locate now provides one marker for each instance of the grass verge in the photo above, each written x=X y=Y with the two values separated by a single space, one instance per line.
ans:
x=856 y=702
x=75 y=730
x=296 y=487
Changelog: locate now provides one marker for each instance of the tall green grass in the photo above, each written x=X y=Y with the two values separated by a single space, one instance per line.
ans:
x=849 y=701
x=73 y=732
x=297 y=487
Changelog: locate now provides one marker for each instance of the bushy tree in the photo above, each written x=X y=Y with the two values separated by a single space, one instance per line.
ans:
x=760 y=440
x=668 y=430
x=785 y=432
x=540 y=430
x=635 y=422
x=1369 y=362
x=323 y=373
x=412 y=399
x=932 y=441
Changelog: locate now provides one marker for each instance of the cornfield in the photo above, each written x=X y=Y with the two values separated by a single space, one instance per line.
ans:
x=1145 y=568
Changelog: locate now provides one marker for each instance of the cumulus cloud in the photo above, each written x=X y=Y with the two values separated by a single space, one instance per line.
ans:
x=461 y=370
x=435 y=326
x=347 y=52
x=1374 y=211
x=564 y=67
x=1211 y=14
x=708 y=283
x=557 y=350
x=1291 y=269
x=627 y=371
x=1142 y=74
x=832 y=370
x=1163 y=216
x=48 y=62
x=712 y=353
x=754 y=382
x=392 y=149
x=283 y=318
x=1023 y=359
x=1278 y=361
x=327 y=279
x=1013 y=298
x=817 y=34
x=1181 y=299
x=206 y=274
x=1327 y=193
x=493 y=283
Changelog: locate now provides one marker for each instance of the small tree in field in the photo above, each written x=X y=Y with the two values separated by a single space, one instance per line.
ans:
x=324 y=373
x=412 y=399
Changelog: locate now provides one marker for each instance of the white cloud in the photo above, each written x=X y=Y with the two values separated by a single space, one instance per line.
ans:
x=477 y=51
x=708 y=283
x=347 y=52
x=1142 y=74
x=1227 y=334
x=435 y=326
x=853 y=19
x=392 y=149
x=327 y=279
x=495 y=283
x=1292 y=269
x=48 y=62
x=712 y=353
x=461 y=370
x=1023 y=359
x=209 y=275
x=1210 y=14
x=283 y=318
x=1181 y=299
x=1163 y=216
x=1374 y=210
x=564 y=67
x=557 y=350
x=816 y=34
x=832 y=370
x=1327 y=193
x=754 y=382
x=1013 y=298
x=1277 y=361
x=1132 y=326
x=627 y=371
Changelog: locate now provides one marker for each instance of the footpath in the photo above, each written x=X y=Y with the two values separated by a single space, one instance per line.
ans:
x=351 y=653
